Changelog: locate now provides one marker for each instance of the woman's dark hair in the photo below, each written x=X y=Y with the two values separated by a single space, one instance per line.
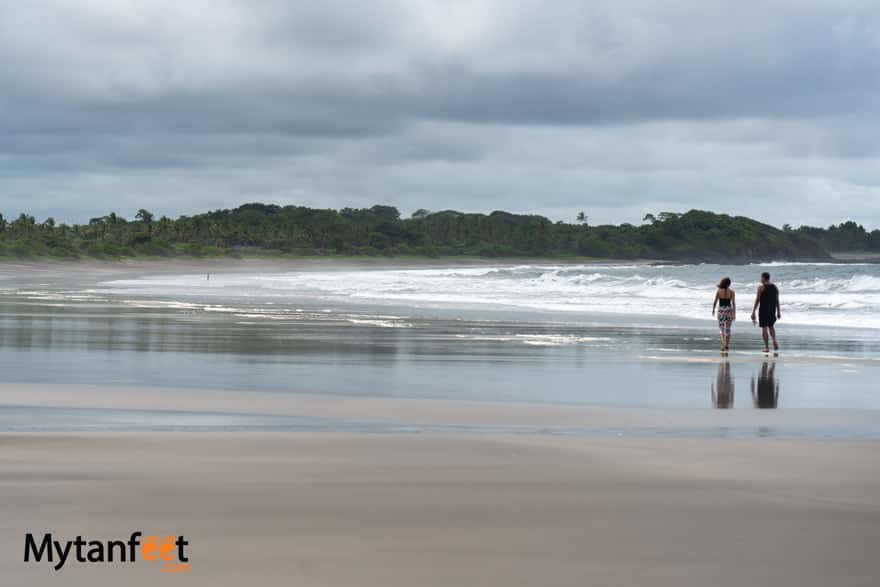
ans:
x=766 y=276
x=725 y=283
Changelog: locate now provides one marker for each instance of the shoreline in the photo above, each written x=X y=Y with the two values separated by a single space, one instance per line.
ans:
x=10 y=269
x=324 y=262
x=304 y=263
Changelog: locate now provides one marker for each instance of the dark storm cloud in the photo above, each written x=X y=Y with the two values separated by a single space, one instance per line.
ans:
x=613 y=107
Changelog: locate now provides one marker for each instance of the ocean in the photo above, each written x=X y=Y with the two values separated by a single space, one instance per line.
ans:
x=610 y=335
x=834 y=295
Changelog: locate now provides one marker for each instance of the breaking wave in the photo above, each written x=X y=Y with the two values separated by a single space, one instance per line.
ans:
x=816 y=294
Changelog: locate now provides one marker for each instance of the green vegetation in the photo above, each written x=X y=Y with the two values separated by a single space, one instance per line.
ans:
x=261 y=229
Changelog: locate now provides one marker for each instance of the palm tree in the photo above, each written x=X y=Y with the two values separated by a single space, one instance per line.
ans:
x=147 y=218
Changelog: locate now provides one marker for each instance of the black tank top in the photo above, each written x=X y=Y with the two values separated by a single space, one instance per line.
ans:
x=768 y=298
x=724 y=302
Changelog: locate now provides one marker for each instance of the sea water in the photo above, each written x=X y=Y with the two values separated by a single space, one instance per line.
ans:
x=836 y=295
x=626 y=335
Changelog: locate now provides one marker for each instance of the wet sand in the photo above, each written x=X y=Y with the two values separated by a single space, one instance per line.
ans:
x=338 y=509
x=143 y=407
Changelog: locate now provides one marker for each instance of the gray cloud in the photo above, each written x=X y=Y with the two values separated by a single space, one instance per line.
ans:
x=617 y=108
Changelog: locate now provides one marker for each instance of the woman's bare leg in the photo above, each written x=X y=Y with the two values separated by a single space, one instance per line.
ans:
x=772 y=334
x=766 y=341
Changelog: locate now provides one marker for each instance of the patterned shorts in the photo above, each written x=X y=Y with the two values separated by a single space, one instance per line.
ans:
x=725 y=320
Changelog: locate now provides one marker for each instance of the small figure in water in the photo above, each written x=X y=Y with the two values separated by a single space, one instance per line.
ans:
x=767 y=298
x=725 y=299
x=208 y=277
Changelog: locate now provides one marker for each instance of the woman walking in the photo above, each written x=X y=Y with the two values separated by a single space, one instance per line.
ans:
x=725 y=300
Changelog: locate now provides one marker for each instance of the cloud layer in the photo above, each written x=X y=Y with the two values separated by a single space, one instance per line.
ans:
x=770 y=109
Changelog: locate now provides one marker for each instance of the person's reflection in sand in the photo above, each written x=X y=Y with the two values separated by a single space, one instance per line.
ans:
x=722 y=389
x=765 y=391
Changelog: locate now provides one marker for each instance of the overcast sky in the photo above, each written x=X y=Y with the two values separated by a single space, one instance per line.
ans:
x=766 y=108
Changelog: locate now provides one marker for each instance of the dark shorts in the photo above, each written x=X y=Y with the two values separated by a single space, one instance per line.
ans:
x=766 y=321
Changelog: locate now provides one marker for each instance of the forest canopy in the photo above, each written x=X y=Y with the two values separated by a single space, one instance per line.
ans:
x=267 y=229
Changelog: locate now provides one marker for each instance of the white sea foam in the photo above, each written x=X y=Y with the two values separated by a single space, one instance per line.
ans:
x=817 y=294
x=379 y=323
x=536 y=339
x=263 y=316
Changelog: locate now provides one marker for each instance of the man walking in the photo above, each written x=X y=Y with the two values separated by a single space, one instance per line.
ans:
x=767 y=299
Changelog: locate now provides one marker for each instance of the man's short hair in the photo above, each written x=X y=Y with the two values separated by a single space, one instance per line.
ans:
x=765 y=275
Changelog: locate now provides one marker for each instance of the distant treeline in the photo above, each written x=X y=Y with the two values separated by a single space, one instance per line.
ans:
x=262 y=229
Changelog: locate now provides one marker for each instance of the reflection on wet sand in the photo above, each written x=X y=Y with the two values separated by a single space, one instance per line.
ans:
x=404 y=352
x=723 y=388
x=765 y=390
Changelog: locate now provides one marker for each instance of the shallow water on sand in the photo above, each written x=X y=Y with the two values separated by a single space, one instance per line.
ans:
x=390 y=333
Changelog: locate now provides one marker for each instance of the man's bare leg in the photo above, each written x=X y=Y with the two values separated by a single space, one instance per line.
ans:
x=773 y=335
